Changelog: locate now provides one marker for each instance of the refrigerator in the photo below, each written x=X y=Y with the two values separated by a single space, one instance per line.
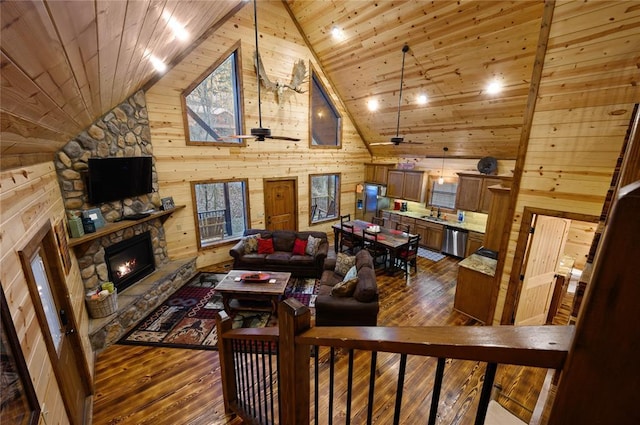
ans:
x=369 y=199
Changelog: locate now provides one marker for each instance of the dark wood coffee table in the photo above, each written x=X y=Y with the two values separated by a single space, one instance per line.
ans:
x=232 y=287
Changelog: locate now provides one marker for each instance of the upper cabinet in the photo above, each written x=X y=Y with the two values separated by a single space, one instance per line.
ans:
x=376 y=173
x=404 y=184
x=473 y=191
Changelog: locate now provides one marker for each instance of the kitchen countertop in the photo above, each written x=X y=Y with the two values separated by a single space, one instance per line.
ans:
x=480 y=264
x=467 y=226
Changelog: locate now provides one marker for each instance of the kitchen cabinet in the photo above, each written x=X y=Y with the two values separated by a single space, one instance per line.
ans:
x=468 y=196
x=497 y=218
x=474 y=290
x=407 y=185
x=430 y=234
x=393 y=220
x=473 y=191
x=376 y=173
x=410 y=221
x=474 y=241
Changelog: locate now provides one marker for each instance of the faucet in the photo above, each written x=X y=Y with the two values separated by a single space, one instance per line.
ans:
x=438 y=212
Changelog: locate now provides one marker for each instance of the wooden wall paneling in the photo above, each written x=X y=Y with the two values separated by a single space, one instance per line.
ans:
x=559 y=118
x=110 y=17
x=29 y=196
x=578 y=243
x=276 y=158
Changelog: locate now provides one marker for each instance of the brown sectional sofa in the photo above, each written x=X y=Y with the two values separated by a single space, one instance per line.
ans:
x=282 y=259
x=361 y=309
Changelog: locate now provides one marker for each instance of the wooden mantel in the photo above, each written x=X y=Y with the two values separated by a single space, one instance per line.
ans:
x=114 y=227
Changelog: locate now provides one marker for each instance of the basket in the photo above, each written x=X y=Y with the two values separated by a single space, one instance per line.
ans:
x=103 y=308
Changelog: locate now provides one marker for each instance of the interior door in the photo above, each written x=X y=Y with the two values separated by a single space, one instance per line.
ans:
x=280 y=205
x=43 y=270
x=544 y=250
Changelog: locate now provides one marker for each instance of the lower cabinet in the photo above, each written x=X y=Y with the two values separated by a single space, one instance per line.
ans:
x=474 y=242
x=473 y=294
x=430 y=234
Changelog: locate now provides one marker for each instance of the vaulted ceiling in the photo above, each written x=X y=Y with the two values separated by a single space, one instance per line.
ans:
x=65 y=63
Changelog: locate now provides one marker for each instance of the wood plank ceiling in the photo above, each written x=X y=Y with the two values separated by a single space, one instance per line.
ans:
x=65 y=63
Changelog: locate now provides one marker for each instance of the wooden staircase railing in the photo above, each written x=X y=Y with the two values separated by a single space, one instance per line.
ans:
x=266 y=372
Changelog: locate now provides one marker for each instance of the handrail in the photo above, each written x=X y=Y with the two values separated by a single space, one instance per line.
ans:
x=533 y=346
x=536 y=346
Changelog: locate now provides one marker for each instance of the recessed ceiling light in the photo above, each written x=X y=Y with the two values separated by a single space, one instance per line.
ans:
x=178 y=29
x=422 y=99
x=158 y=64
x=337 y=33
x=494 y=87
x=372 y=105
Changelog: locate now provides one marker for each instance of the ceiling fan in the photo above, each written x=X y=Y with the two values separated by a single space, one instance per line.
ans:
x=397 y=139
x=260 y=133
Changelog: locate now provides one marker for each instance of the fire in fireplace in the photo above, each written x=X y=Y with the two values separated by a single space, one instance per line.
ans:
x=130 y=260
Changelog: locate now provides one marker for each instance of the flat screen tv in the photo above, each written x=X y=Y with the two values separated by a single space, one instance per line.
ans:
x=113 y=179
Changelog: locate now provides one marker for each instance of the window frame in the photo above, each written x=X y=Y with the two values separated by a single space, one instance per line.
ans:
x=432 y=184
x=336 y=215
x=196 y=220
x=239 y=98
x=313 y=79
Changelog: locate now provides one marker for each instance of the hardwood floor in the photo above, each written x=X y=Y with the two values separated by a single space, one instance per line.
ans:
x=166 y=386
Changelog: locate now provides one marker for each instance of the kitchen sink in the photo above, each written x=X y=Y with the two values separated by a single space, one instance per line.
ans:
x=429 y=218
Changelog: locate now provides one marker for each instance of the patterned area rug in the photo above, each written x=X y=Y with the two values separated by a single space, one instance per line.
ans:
x=187 y=318
x=430 y=255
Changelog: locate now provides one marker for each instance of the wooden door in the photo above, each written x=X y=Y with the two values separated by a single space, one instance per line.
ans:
x=45 y=278
x=280 y=205
x=546 y=246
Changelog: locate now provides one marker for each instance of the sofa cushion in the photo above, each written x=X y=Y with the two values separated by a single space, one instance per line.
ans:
x=265 y=246
x=250 y=244
x=345 y=288
x=366 y=289
x=343 y=263
x=283 y=240
x=312 y=245
x=254 y=258
x=353 y=272
x=278 y=257
x=363 y=260
x=299 y=247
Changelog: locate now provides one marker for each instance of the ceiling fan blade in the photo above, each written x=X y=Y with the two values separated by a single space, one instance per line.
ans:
x=292 y=139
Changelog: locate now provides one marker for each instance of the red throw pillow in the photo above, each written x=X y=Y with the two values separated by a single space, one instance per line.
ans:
x=299 y=247
x=265 y=246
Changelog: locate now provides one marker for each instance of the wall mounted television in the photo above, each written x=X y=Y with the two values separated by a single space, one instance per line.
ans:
x=113 y=179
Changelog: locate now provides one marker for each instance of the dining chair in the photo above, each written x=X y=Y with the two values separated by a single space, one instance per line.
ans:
x=402 y=227
x=345 y=218
x=348 y=239
x=375 y=248
x=407 y=256
x=379 y=221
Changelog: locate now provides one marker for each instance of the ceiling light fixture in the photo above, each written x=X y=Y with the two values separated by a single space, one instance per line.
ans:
x=372 y=105
x=494 y=87
x=422 y=99
x=178 y=29
x=441 y=179
x=157 y=63
x=337 y=33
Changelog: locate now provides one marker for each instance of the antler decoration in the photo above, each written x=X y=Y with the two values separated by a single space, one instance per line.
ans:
x=298 y=77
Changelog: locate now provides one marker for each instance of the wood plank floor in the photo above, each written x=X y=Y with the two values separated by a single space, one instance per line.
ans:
x=167 y=386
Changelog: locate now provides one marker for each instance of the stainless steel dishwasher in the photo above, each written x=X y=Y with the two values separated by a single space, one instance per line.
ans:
x=454 y=241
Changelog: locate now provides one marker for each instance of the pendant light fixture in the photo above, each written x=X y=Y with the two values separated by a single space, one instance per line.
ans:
x=441 y=179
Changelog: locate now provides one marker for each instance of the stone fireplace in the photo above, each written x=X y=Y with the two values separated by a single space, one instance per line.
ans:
x=129 y=260
x=122 y=132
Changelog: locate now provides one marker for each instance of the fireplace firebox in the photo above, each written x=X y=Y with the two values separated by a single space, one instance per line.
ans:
x=130 y=260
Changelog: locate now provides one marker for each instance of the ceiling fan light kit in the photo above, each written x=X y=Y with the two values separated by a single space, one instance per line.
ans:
x=260 y=133
x=397 y=139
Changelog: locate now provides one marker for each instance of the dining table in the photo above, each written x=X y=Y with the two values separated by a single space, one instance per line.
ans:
x=393 y=240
